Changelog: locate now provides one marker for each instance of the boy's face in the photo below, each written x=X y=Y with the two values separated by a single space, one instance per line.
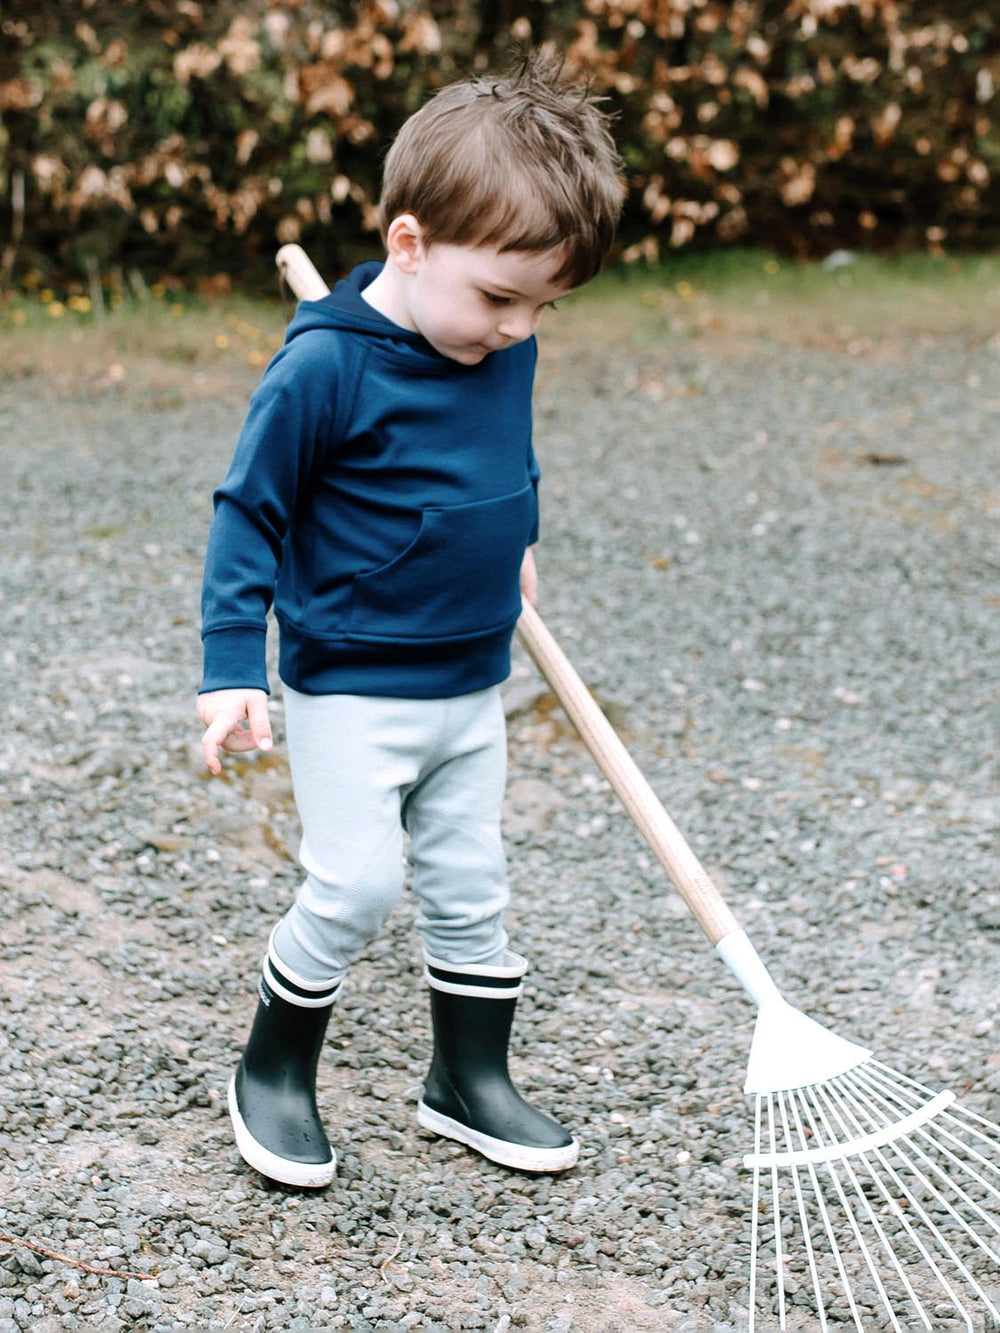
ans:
x=468 y=301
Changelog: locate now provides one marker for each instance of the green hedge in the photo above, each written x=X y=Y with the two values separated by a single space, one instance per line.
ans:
x=189 y=138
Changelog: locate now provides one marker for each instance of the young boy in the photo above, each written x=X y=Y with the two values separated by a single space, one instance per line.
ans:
x=383 y=495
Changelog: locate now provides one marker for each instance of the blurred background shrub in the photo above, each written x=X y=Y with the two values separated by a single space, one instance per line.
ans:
x=187 y=138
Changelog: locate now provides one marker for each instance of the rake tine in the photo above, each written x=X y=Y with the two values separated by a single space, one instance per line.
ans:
x=942 y=1240
x=806 y=1233
x=942 y=1199
x=956 y=1160
x=949 y=1180
x=775 y=1198
x=896 y=1079
x=924 y=1216
x=854 y=1126
x=952 y=1184
x=853 y=1222
x=967 y=1119
x=993 y=1138
x=900 y=1085
x=754 y=1219
x=828 y=1227
x=970 y=1151
x=977 y=1156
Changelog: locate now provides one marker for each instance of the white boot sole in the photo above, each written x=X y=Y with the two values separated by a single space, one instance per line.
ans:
x=519 y=1156
x=306 y=1175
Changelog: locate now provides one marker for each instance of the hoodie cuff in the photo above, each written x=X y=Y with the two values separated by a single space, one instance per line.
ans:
x=235 y=659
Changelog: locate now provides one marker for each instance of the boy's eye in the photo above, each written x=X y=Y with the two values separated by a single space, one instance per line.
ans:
x=492 y=298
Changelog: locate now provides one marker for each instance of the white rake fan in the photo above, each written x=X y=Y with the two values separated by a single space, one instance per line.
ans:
x=876 y=1201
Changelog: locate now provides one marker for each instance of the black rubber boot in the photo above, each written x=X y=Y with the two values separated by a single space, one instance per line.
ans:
x=468 y=1095
x=272 y=1095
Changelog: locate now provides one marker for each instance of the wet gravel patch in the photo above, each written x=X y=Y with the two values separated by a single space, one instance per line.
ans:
x=778 y=570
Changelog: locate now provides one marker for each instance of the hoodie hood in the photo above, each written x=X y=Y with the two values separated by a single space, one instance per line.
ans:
x=345 y=308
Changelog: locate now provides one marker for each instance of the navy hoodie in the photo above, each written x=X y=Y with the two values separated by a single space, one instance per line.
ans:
x=382 y=497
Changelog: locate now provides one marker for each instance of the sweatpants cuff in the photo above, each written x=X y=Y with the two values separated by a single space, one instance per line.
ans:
x=297 y=990
x=498 y=982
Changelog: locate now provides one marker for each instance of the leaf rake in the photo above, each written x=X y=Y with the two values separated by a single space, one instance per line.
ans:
x=868 y=1187
x=876 y=1201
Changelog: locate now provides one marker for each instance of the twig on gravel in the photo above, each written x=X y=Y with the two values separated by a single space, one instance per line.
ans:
x=76 y=1263
x=395 y=1254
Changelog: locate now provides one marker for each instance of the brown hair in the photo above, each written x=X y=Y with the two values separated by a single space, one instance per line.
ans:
x=523 y=162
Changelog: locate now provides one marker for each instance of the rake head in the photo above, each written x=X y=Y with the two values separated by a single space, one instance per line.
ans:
x=876 y=1201
x=876 y=1204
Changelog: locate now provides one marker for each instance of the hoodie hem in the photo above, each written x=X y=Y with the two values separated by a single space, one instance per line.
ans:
x=428 y=669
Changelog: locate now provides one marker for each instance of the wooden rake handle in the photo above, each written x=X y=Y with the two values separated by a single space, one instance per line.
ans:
x=301 y=273
x=640 y=801
x=628 y=783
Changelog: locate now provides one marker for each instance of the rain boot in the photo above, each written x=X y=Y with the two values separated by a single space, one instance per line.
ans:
x=468 y=1095
x=272 y=1095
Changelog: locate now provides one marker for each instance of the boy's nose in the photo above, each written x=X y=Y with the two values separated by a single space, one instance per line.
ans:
x=518 y=324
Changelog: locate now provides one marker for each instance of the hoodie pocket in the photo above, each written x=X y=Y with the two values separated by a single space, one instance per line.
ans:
x=458 y=578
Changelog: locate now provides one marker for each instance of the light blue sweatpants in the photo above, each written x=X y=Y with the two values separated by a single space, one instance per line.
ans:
x=366 y=769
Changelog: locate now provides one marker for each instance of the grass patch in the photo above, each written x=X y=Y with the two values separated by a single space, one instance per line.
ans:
x=750 y=294
x=171 y=346
x=154 y=346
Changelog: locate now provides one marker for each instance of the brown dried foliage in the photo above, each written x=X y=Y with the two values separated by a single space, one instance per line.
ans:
x=187 y=138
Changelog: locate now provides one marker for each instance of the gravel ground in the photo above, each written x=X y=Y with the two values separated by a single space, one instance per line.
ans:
x=777 y=567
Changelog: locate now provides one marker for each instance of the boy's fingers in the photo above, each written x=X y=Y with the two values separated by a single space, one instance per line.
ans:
x=238 y=741
x=240 y=725
x=219 y=732
x=210 y=742
x=260 y=722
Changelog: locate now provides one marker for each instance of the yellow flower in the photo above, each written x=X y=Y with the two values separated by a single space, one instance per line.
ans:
x=81 y=304
x=221 y=341
x=57 y=309
x=18 y=316
x=685 y=291
x=46 y=295
x=772 y=266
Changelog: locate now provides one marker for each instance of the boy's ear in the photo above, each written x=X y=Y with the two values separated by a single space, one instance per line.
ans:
x=404 y=242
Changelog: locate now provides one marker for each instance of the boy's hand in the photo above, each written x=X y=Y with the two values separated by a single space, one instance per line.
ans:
x=236 y=720
x=529 y=577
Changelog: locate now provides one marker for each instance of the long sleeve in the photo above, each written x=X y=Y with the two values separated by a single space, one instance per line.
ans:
x=287 y=423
